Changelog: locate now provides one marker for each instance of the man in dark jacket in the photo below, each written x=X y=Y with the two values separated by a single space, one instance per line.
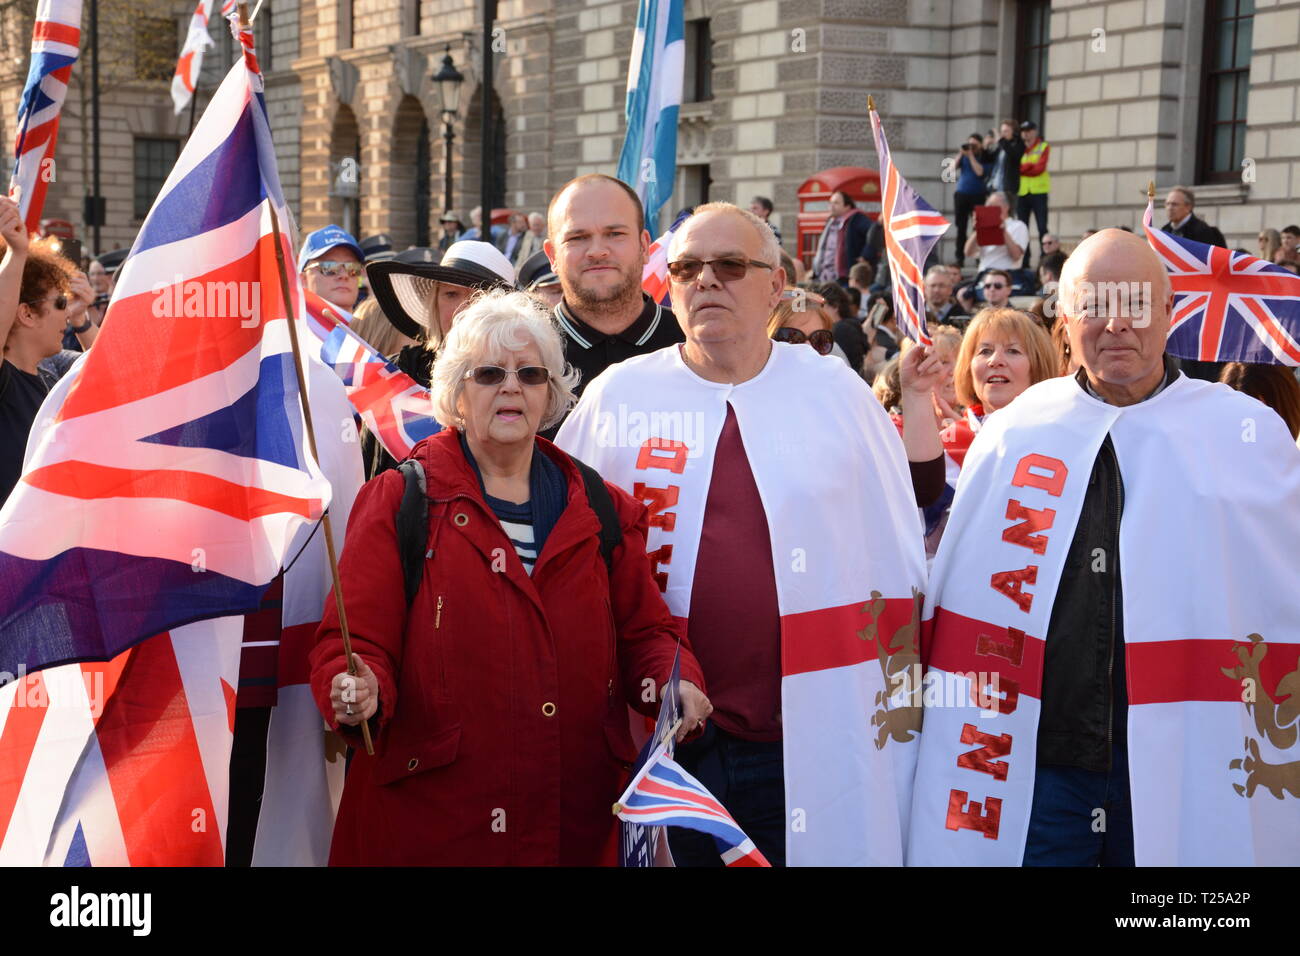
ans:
x=843 y=241
x=1184 y=222
x=1002 y=160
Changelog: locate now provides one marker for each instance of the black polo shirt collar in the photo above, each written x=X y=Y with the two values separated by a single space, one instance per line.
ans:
x=637 y=334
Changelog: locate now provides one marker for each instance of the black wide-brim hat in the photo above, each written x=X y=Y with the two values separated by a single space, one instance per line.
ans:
x=404 y=285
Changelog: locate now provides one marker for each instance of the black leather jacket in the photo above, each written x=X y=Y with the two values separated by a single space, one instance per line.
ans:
x=1085 y=690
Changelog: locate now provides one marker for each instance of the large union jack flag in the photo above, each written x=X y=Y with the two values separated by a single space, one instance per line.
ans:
x=663 y=794
x=55 y=41
x=396 y=408
x=1228 y=306
x=173 y=477
x=912 y=226
x=166 y=481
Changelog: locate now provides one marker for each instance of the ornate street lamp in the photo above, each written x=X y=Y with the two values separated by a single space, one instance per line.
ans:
x=448 y=80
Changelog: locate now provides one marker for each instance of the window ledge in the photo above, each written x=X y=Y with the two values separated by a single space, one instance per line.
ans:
x=1215 y=194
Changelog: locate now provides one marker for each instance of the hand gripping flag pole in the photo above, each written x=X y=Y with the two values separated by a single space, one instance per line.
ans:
x=311 y=431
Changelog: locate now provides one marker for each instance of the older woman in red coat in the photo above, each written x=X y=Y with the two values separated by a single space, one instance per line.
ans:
x=498 y=700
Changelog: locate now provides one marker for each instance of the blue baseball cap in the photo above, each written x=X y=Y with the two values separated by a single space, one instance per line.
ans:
x=322 y=241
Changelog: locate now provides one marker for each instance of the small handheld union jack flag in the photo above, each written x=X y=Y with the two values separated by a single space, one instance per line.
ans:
x=663 y=794
x=912 y=226
x=396 y=408
x=1228 y=306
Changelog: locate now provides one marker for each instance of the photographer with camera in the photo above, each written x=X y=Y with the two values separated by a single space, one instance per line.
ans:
x=970 y=187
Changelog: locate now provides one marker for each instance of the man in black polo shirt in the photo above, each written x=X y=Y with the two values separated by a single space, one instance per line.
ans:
x=598 y=244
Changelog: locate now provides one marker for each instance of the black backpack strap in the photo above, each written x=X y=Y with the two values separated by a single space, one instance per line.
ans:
x=412 y=526
x=611 y=532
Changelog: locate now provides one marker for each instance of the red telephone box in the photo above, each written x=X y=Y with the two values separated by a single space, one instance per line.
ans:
x=58 y=227
x=860 y=184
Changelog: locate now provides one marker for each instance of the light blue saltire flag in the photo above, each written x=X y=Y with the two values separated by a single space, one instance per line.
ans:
x=648 y=162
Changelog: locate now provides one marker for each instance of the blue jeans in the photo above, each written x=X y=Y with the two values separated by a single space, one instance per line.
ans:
x=748 y=778
x=1065 y=828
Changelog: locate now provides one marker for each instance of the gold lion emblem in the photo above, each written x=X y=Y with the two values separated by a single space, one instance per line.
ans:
x=900 y=664
x=1279 y=723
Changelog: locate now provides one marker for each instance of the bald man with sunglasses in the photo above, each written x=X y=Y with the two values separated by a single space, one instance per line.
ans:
x=784 y=531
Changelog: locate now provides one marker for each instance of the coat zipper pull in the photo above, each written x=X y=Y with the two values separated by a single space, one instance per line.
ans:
x=437 y=619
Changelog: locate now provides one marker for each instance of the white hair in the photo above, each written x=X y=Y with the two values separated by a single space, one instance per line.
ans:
x=770 y=252
x=499 y=321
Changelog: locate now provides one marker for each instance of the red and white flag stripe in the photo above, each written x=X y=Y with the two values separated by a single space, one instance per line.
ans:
x=197 y=40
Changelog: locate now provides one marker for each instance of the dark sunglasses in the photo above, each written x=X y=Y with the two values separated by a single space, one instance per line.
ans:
x=727 y=269
x=59 y=302
x=995 y=285
x=494 y=375
x=822 y=340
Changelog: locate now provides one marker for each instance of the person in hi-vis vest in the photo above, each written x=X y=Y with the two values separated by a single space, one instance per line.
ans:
x=1035 y=182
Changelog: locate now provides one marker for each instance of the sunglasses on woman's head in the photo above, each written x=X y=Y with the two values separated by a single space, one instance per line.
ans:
x=494 y=375
x=329 y=270
x=727 y=269
x=822 y=340
x=59 y=302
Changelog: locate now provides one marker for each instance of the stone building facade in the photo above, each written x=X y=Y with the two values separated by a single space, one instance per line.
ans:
x=775 y=91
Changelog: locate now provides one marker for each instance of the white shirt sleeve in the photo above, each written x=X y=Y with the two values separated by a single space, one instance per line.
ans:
x=1019 y=232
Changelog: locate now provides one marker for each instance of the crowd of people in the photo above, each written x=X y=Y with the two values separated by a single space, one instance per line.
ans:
x=495 y=667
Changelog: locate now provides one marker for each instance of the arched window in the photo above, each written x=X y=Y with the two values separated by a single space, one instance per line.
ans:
x=423 y=184
x=473 y=150
x=345 y=171
x=409 y=175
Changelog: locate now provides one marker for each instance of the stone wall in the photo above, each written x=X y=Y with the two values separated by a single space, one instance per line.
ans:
x=790 y=81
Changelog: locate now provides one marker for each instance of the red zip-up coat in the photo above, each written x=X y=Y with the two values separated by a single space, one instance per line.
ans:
x=502 y=736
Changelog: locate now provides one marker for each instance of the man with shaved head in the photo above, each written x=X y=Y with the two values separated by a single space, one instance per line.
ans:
x=1117 y=564
x=784 y=531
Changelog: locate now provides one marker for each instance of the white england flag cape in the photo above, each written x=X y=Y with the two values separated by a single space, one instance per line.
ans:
x=1211 y=623
x=846 y=544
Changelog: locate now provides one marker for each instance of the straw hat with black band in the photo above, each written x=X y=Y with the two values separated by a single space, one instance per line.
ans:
x=405 y=289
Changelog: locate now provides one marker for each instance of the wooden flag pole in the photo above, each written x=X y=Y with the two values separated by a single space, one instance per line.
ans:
x=311 y=431
x=871 y=103
x=1151 y=190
